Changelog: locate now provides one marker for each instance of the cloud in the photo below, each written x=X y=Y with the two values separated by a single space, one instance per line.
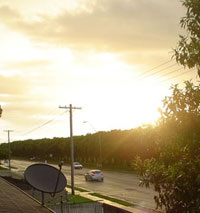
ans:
x=28 y=113
x=13 y=85
x=114 y=25
x=25 y=78
x=17 y=101
x=26 y=64
x=8 y=14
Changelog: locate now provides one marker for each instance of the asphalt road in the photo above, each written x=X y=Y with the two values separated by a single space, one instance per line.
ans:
x=116 y=184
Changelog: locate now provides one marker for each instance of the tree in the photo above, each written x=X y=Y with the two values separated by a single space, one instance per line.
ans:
x=3 y=151
x=175 y=172
x=187 y=52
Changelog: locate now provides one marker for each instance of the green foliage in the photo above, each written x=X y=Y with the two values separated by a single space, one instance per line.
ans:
x=187 y=52
x=183 y=102
x=72 y=199
x=78 y=199
x=77 y=188
x=2 y=168
x=119 y=148
x=115 y=200
x=174 y=173
x=3 y=151
x=181 y=112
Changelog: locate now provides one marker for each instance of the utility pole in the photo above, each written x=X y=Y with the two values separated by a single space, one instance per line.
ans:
x=1 y=110
x=72 y=144
x=9 y=152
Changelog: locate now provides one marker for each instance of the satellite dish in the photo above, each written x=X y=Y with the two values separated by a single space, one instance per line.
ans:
x=45 y=178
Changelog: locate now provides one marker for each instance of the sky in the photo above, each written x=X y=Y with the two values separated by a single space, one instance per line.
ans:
x=112 y=58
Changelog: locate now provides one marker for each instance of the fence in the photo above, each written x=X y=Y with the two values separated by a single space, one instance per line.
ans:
x=77 y=208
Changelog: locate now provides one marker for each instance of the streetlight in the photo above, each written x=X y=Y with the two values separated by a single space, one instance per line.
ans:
x=99 y=139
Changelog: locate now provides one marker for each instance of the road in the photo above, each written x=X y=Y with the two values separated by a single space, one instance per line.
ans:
x=116 y=184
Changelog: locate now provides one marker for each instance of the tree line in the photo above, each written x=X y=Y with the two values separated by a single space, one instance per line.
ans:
x=166 y=156
x=116 y=148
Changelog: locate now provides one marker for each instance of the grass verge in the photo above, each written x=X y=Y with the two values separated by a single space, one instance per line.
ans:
x=77 y=188
x=2 y=168
x=78 y=199
x=72 y=199
x=122 y=202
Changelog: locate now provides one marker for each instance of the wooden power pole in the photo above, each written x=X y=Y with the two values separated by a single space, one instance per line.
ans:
x=9 y=151
x=72 y=144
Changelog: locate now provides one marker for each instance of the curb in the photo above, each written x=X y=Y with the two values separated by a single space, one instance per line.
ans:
x=132 y=209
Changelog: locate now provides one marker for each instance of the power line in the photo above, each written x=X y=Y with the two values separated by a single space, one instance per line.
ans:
x=144 y=76
x=177 y=75
x=170 y=72
x=38 y=121
x=52 y=111
x=44 y=124
x=166 y=73
x=147 y=71
x=154 y=73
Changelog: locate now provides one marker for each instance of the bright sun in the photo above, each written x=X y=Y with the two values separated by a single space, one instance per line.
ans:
x=110 y=96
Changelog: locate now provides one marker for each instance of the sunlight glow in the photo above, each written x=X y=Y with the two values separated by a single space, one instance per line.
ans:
x=88 y=53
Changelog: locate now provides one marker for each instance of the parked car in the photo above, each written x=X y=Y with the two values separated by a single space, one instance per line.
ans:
x=77 y=165
x=94 y=175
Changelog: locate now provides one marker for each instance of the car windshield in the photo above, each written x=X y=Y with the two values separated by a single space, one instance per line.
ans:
x=96 y=171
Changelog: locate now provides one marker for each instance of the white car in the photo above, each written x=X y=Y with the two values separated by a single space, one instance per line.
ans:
x=32 y=158
x=77 y=165
x=94 y=175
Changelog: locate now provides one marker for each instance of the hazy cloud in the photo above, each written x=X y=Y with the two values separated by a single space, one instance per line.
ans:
x=112 y=25
x=26 y=64
x=87 y=54
x=9 y=15
x=13 y=85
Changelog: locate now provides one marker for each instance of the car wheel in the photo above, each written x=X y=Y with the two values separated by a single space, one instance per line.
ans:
x=86 y=179
x=101 y=179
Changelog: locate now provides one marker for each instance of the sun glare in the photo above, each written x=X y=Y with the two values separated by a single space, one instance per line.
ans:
x=110 y=93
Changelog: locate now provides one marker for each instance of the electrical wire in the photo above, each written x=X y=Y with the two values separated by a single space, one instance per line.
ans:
x=173 y=71
x=52 y=111
x=180 y=74
x=143 y=76
x=147 y=71
x=44 y=124
x=154 y=73
x=170 y=72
